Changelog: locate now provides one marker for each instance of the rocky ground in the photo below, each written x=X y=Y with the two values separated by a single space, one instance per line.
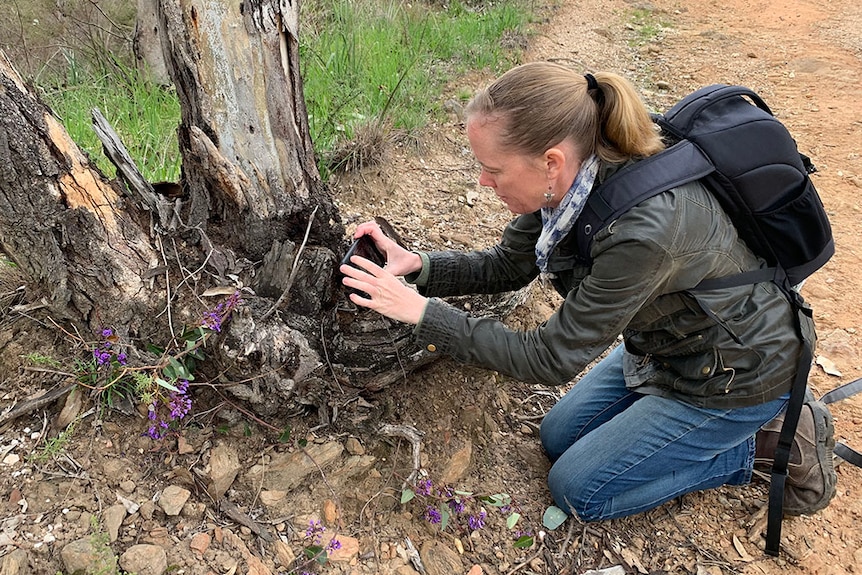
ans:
x=225 y=498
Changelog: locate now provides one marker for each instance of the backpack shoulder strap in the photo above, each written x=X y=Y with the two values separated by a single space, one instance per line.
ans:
x=842 y=450
x=681 y=163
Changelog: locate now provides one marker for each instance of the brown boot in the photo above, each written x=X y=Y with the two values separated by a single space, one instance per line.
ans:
x=810 y=474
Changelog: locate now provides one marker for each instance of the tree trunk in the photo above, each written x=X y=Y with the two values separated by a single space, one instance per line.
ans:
x=251 y=212
x=147 y=42
x=63 y=223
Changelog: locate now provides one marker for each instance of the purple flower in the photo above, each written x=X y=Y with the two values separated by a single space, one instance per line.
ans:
x=107 y=332
x=457 y=506
x=121 y=358
x=314 y=531
x=151 y=412
x=424 y=487
x=477 y=521
x=333 y=544
x=432 y=515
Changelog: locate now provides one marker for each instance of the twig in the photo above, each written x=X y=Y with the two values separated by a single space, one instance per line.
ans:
x=293 y=269
x=414 y=436
x=232 y=511
x=168 y=297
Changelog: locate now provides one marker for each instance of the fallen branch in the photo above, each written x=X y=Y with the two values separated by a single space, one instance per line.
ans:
x=414 y=436
x=31 y=405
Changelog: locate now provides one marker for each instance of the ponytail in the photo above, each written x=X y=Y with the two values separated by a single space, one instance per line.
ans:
x=541 y=104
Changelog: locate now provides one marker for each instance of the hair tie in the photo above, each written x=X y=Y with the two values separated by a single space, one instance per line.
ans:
x=592 y=84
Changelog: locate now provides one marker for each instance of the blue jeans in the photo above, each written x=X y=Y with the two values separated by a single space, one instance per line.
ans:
x=616 y=452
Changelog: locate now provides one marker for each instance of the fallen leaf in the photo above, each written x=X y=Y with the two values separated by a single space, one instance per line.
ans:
x=828 y=365
x=743 y=554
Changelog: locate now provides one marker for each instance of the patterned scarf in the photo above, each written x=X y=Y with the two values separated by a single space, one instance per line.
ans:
x=558 y=222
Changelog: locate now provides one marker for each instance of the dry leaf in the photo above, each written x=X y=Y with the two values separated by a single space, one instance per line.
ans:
x=743 y=554
x=828 y=365
x=221 y=290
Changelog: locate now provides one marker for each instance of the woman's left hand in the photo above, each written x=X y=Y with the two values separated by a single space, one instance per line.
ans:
x=387 y=295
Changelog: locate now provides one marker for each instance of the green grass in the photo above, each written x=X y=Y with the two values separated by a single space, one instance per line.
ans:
x=375 y=61
x=367 y=66
x=144 y=115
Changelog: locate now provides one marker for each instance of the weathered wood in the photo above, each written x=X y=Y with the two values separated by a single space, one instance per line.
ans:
x=248 y=160
x=163 y=209
x=59 y=218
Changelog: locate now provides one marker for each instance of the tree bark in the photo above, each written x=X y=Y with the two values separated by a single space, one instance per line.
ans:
x=62 y=222
x=248 y=160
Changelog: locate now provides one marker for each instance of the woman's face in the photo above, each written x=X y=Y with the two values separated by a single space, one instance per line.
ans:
x=520 y=181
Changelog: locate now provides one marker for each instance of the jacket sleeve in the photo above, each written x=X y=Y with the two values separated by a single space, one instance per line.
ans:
x=508 y=266
x=626 y=274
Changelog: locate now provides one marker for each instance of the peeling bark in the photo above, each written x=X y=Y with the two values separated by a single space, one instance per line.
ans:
x=62 y=222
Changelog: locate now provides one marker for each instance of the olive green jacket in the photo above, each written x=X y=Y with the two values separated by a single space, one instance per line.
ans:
x=744 y=352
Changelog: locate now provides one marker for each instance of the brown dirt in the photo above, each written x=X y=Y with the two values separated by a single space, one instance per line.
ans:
x=479 y=426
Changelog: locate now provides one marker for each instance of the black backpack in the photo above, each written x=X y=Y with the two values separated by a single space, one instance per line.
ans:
x=750 y=162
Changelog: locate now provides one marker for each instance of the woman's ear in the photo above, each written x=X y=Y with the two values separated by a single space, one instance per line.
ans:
x=555 y=161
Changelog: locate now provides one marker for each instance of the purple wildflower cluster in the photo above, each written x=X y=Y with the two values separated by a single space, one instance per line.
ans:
x=455 y=503
x=214 y=318
x=314 y=533
x=178 y=403
x=105 y=353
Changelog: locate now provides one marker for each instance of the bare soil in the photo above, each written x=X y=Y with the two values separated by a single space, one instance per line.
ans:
x=478 y=427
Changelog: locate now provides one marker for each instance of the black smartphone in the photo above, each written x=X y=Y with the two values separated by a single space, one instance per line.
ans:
x=363 y=246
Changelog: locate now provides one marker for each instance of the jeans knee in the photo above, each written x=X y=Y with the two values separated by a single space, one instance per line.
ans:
x=552 y=442
x=571 y=497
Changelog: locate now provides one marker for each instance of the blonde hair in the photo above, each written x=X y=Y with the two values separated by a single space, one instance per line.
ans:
x=542 y=103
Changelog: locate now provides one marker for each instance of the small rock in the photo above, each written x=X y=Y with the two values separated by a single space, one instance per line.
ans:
x=145 y=560
x=458 y=464
x=475 y=570
x=173 y=498
x=270 y=497
x=330 y=512
x=128 y=486
x=354 y=447
x=113 y=517
x=200 y=542
x=82 y=556
x=662 y=85
x=16 y=563
x=284 y=554
x=348 y=549
x=439 y=559
x=224 y=466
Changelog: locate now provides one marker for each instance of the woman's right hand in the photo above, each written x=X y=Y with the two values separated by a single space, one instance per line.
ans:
x=399 y=261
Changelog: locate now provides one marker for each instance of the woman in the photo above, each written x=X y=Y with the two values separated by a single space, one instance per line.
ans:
x=680 y=406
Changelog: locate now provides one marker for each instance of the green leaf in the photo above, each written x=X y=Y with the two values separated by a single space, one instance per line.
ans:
x=512 y=520
x=179 y=369
x=497 y=500
x=444 y=517
x=165 y=384
x=155 y=349
x=524 y=542
x=464 y=493
x=407 y=495
x=285 y=435
x=317 y=553
x=553 y=517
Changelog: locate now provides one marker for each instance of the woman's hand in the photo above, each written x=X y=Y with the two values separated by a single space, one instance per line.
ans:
x=399 y=261
x=386 y=294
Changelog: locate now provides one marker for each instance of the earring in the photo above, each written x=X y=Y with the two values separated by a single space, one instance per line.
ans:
x=549 y=195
